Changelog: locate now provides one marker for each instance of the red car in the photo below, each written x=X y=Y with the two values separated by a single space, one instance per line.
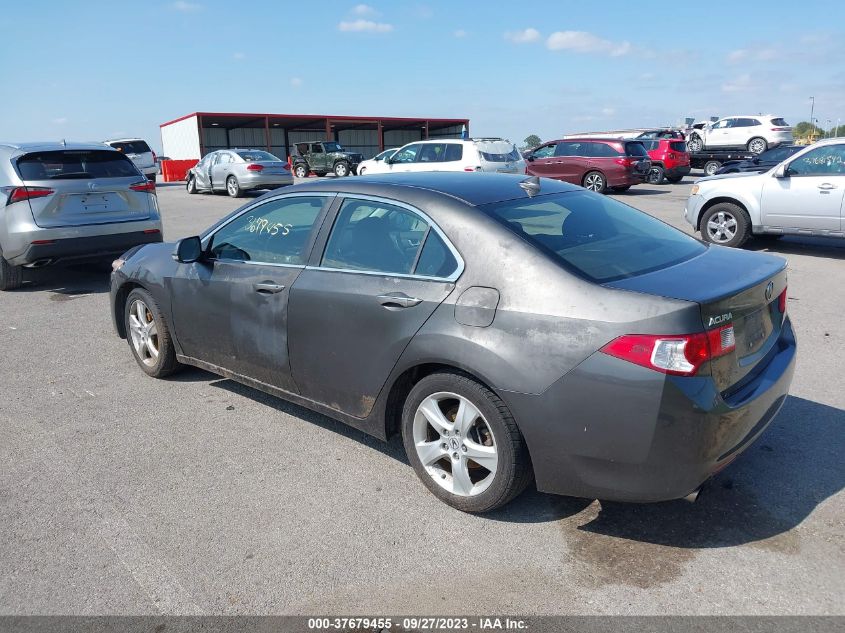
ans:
x=669 y=159
x=597 y=164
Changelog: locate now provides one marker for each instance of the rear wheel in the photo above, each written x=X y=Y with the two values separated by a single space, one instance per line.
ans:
x=594 y=181
x=341 y=169
x=463 y=443
x=711 y=167
x=148 y=335
x=726 y=224
x=300 y=171
x=757 y=145
x=233 y=188
x=11 y=277
x=655 y=175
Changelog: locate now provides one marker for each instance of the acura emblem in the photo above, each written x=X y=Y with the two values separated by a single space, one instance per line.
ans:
x=769 y=290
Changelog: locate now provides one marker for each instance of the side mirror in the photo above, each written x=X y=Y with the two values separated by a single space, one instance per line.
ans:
x=530 y=157
x=188 y=250
x=781 y=171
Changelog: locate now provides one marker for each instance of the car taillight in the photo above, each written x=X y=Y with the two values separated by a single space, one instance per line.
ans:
x=151 y=231
x=680 y=355
x=782 y=303
x=19 y=194
x=286 y=166
x=472 y=168
x=148 y=186
x=254 y=167
x=627 y=161
x=781 y=129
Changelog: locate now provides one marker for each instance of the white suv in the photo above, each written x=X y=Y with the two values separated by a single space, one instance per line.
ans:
x=803 y=195
x=137 y=150
x=754 y=133
x=477 y=154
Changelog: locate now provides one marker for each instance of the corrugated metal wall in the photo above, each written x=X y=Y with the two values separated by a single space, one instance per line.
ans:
x=363 y=141
x=447 y=132
x=398 y=138
x=180 y=140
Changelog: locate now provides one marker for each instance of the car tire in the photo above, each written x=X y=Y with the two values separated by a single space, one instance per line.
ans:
x=695 y=144
x=191 y=185
x=655 y=175
x=595 y=181
x=233 y=188
x=152 y=177
x=711 y=167
x=11 y=277
x=621 y=189
x=757 y=145
x=148 y=335
x=362 y=171
x=341 y=169
x=487 y=431
x=726 y=224
x=300 y=171
x=674 y=179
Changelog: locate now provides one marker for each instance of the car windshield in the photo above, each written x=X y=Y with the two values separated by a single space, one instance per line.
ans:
x=333 y=147
x=595 y=236
x=131 y=147
x=497 y=151
x=75 y=164
x=256 y=155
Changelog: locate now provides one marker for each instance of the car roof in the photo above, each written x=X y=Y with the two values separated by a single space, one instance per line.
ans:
x=598 y=139
x=46 y=146
x=472 y=188
x=123 y=140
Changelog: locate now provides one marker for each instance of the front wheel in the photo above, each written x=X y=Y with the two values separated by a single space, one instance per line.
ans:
x=463 y=443
x=726 y=224
x=594 y=181
x=341 y=169
x=362 y=171
x=148 y=335
x=757 y=145
x=695 y=144
x=300 y=171
x=233 y=188
x=655 y=175
x=191 y=185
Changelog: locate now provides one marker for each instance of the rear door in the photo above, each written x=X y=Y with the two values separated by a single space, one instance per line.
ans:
x=383 y=272
x=811 y=196
x=83 y=187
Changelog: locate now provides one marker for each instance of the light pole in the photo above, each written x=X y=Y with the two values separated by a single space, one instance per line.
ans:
x=812 y=107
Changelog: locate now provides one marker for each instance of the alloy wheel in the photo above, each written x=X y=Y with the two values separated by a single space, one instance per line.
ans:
x=143 y=332
x=757 y=146
x=300 y=172
x=721 y=228
x=455 y=444
x=594 y=182
x=232 y=187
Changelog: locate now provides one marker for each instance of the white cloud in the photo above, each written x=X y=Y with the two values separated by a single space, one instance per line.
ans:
x=523 y=37
x=743 y=83
x=460 y=33
x=364 y=9
x=367 y=26
x=239 y=55
x=584 y=42
x=737 y=56
x=608 y=111
x=759 y=55
x=186 y=7
x=295 y=82
x=60 y=120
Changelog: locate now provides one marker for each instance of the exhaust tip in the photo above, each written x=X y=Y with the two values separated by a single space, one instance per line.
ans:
x=693 y=496
x=39 y=263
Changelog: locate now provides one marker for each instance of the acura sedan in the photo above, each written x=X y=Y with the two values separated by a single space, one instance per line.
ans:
x=508 y=328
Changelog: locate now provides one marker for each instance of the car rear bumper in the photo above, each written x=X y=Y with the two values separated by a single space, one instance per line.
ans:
x=264 y=181
x=85 y=248
x=616 y=431
x=678 y=171
x=626 y=179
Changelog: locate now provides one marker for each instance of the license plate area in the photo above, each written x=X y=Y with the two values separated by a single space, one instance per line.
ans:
x=93 y=202
x=754 y=329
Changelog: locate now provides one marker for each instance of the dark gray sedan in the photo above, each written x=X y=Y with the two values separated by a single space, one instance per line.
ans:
x=509 y=328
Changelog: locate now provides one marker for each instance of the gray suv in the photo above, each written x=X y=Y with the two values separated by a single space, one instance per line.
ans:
x=70 y=202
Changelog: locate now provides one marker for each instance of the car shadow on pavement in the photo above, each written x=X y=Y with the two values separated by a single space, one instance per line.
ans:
x=770 y=489
x=640 y=191
x=798 y=245
x=67 y=281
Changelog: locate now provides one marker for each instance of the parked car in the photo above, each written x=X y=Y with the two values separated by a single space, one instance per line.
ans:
x=475 y=154
x=669 y=159
x=138 y=152
x=323 y=158
x=70 y=202
x=754 y=133
x=761 y=162
x=665 y=133
x=238 y=170
x=594 y=163
x=371 y=164
x=400 y=304
x=802 y=195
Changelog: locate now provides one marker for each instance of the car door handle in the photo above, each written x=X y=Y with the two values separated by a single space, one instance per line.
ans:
x=826 y=186
x=267 y=288
x=398 y=301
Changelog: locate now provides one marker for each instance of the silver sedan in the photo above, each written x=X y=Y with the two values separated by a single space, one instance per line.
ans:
x=238 y=170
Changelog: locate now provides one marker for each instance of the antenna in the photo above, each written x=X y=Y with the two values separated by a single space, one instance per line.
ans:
x=64 y=143
x=531 y=186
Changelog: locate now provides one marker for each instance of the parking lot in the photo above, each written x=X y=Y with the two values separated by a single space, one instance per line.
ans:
x=120 y=494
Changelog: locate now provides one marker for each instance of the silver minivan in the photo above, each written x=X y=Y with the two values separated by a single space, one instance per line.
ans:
x=70 y=202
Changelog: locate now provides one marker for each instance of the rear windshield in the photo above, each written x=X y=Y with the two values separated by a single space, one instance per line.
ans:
x=635 y=149
x=780 y=123
x=131 y=147
x=497 y=151
x=69 y=164
x=595 y=236
x=256 y=155
x=678 y=146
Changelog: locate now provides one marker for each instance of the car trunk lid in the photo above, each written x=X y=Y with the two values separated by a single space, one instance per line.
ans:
x=733 y=289
x=270 y=167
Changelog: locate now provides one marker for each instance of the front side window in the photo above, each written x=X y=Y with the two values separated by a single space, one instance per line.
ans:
x=546 y=151
x=407 y=154
x=275 y=232
x=379 y=237
x=594 y=236
x=222 y=158
x=822 y=161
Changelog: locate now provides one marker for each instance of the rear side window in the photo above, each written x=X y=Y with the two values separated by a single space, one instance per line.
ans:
x=131 y=147
x=635 y=149
x=436 y=260
x=454 y=152
x=601 y=150
x=73 y=164
x=780 y=122
x=678 y=146
x=595 y=236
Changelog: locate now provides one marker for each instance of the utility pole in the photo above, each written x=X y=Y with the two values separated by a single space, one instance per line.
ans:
x=812 y=108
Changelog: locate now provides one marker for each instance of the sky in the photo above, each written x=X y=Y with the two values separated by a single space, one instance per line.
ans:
x=97 y=69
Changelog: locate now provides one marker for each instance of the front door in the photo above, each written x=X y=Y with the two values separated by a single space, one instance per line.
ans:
x=811 y=194
x=383 y=272
x=544 y=164
x=220 y=170
x=231 y=308
x=406 y=158
x=203 y=171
